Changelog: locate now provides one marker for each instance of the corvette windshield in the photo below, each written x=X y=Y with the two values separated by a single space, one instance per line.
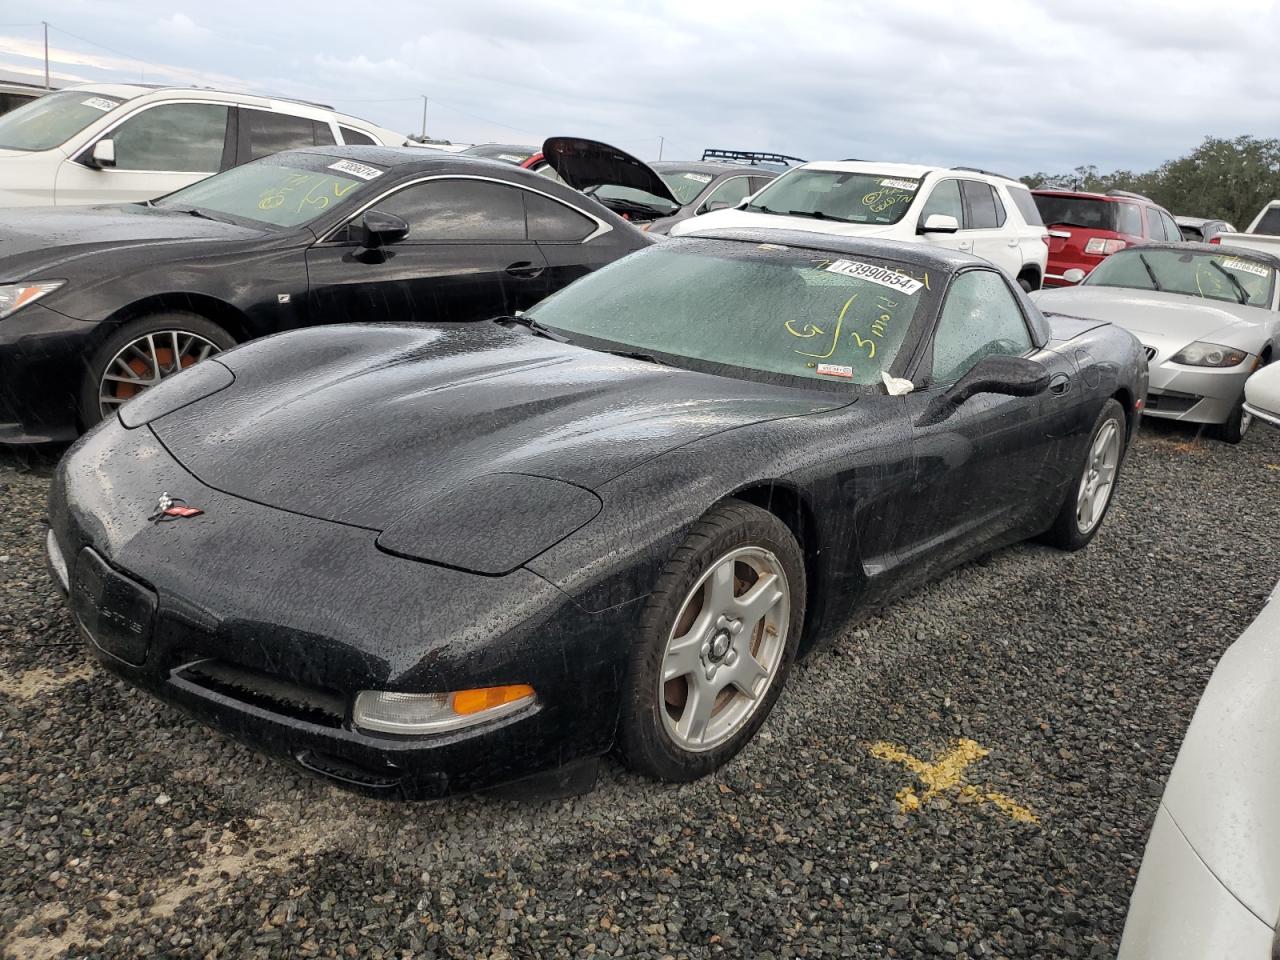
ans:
x=836 y=195
x=1213 y=276
x=759 y=307
x=285 y=190
x=53 y=119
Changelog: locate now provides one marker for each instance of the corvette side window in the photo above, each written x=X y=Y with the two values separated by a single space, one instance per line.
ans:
x=459 y=210
x=980 y=318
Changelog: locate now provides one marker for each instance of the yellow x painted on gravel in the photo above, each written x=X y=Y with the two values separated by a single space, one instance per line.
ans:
x=945 y=774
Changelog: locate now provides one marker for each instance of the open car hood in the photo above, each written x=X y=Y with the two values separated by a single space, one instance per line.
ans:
x=583 y=164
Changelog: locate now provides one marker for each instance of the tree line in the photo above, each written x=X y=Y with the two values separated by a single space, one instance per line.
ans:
x=1222 y=179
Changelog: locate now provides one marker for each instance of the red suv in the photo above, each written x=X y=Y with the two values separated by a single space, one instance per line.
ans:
x=1084 y=228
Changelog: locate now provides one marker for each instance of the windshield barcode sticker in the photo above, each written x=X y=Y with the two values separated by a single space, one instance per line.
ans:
x=99 y=103
x=899 y=184
x=874 y=274
x=1244 y=266
x=363 y=171
x=835 y=370
x=698 y=177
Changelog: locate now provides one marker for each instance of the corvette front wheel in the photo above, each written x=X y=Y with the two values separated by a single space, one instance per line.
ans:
x=717 y=639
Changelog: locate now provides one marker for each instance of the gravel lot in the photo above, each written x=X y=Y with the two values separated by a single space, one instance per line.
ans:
x=128 y=831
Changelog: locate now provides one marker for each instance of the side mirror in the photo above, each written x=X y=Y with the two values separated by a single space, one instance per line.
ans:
x=374 y=230
x=1074 y=275
x=716 y=205
x=1011 y=376
x=939 y=223
x=104 y=153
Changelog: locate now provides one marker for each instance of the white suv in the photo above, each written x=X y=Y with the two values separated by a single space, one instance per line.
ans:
x=119 y=143
x=962 y=208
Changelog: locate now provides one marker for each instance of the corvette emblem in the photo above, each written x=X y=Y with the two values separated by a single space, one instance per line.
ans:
x=172 y=508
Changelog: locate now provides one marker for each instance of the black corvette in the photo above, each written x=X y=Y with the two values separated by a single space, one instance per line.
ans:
x=97 y=304
x=425 y=558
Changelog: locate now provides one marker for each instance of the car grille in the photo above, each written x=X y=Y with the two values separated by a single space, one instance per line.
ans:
x=1170 y=401
x=1150 y=352
x=308 y=704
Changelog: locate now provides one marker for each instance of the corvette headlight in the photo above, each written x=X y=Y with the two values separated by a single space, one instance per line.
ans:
x=15 y=296
x=419 y=713
x=1209 y=355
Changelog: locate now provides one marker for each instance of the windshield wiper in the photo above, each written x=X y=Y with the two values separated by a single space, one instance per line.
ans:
x=533 y=325
x=817 y=215
x=1242 y=295
x=643 y=357
x=763 y=209
x=1150 y=273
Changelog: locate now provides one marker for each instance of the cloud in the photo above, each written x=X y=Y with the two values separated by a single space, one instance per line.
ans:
x=1011 y=85
x=179 y=26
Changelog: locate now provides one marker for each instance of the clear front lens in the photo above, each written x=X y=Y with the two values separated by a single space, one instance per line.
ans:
x=421 y=713
x=15 y=296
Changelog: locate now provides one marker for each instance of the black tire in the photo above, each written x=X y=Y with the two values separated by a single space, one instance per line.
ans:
x=181 y=321
x=644 y=742
x=1236 y=427
x=1025 y=283
x=1065 y=534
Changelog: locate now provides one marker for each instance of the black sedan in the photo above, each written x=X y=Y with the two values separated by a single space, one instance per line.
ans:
x=425 y=558
x=98 y=304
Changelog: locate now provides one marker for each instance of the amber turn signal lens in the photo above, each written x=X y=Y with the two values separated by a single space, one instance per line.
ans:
x=486 y=698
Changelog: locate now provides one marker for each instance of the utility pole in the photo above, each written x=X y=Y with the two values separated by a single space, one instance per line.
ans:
x=424 y=116
x=46 y=53
x=661 y=141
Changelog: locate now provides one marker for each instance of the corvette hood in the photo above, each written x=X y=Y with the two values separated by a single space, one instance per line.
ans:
x=41 y=239
x=356 y=424
x=1151 y=315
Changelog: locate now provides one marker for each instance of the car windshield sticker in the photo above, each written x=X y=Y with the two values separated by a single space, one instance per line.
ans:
x=100 y=103
x=1244 y=266
x=511 y=158
x=835 y=370
x=363 y=171
x=698 y=177
x=884 y=277
x=911 y=185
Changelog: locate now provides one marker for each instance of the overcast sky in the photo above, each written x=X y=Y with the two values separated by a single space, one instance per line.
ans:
x=1013 y=86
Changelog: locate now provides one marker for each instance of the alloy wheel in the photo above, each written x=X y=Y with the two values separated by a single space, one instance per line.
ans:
x=1099 y=476
x=724 y=649
x=144 y=362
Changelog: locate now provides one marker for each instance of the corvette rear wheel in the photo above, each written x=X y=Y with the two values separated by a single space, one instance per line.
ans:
x=141 y=354
x=1089 y=497
x=717 y=639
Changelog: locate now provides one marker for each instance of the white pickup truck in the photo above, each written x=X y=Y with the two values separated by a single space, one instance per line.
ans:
x=1262 y=234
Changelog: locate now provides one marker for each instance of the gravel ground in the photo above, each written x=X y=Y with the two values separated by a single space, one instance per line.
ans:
x=128 y=831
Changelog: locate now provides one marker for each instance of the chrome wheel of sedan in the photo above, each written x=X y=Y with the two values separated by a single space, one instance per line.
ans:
x=724 y=648
x=145 y=361
x=1099 y=476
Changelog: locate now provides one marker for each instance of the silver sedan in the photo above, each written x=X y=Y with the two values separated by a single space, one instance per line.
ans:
x=1207 y=316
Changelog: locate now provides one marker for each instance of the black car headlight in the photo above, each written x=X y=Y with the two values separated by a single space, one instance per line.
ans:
x=1201 y=354
x=415 y=714
x=15 y=296
x=195 y=383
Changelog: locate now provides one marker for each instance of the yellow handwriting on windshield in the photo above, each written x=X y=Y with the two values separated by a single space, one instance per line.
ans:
x=835 y=337
x=881 y=200
x=810 y=329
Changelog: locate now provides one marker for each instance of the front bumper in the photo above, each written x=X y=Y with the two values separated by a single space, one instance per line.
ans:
x=305 y=613
x=43 y=359
x=1180 y=909
x=1196 y=394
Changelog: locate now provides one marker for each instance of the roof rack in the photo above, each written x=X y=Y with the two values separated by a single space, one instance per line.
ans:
x=1130 y=194
x=989 y=173
x=751 y=157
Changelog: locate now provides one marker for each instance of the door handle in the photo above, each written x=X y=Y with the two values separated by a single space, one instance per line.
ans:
x=1060 y=384
x=525 y=270
x=1013 y=243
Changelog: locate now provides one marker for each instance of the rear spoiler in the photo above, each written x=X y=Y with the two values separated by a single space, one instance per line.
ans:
x=752 y=157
